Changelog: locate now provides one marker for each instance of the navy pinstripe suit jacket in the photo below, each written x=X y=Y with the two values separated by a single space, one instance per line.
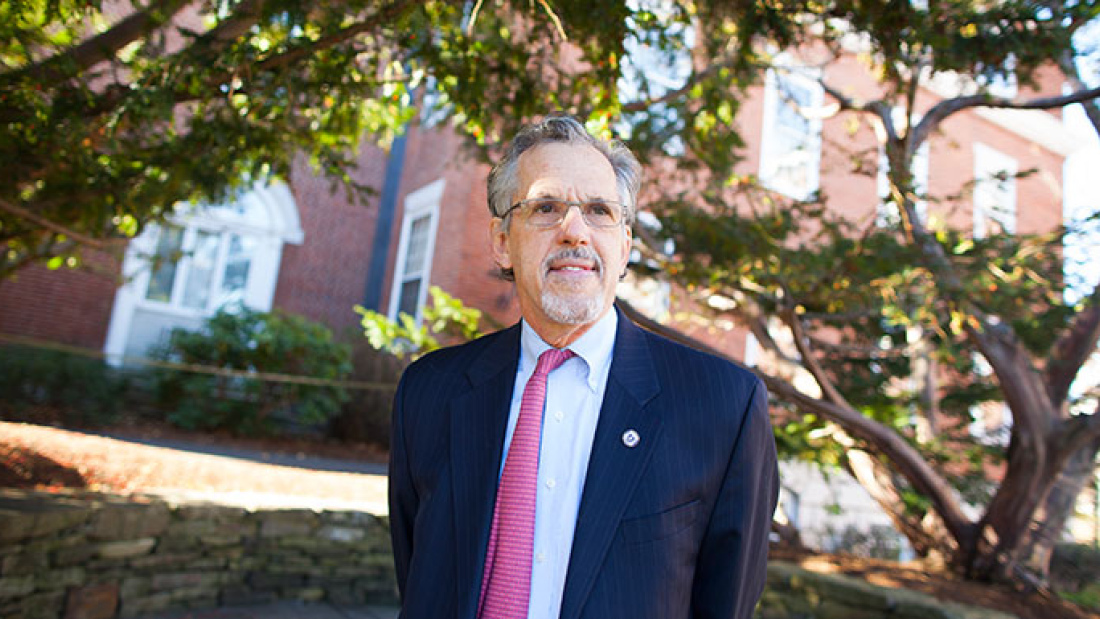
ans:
x=676 y=526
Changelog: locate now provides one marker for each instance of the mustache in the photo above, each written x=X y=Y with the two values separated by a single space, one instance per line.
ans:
x=573 y=253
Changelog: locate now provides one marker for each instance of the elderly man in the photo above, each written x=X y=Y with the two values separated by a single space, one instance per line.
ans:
x=575 y=465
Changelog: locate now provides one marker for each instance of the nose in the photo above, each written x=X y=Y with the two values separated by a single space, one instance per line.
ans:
x=573 y=228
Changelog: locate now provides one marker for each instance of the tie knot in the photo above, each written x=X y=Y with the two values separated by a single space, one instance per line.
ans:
x=551 y=359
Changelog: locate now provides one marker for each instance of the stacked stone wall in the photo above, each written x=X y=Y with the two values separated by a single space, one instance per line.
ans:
x=101 y=557
x=87 y=556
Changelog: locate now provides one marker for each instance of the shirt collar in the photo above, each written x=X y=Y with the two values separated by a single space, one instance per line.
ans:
x=594 y=347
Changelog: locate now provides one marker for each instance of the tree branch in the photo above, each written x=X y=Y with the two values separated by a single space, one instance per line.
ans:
x=73 y=61
x=692 y=80
x=52 y=226
x=1079 y=431
x=947 y=107
x=809 y=362
x=911 y=464
x=1070 y=352
x=237 y=25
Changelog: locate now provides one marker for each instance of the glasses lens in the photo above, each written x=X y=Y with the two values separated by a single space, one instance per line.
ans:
x=549 y=212
x=601 y=214
x=545 y=213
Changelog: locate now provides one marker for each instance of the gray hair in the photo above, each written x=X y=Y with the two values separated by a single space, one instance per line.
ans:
x=559 y=127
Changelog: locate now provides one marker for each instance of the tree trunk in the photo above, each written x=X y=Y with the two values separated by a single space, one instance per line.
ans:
x=1057 y=509
x=1004 y=527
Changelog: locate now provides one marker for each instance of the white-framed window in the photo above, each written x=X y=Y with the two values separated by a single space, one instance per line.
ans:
x=197 y=268
x=203 y=258
x=888 y=212
x=994 y=192
x=411 y=273
x=790 y=153
x=651 y=71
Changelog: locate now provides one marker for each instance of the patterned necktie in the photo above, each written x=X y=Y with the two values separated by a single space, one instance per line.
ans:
x=506 y=582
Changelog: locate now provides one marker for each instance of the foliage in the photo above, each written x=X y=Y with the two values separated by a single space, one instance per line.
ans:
x=365 y=417
x=54 y=386
x=445 y=318
x=113 y=114
x=251 y=341
x=1073 y=573
x=884 y=339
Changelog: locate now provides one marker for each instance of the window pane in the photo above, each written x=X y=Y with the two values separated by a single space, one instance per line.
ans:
x=238 y=262
x=410 y=297
x=165 y=262
x=418 y=245
x=200 y=274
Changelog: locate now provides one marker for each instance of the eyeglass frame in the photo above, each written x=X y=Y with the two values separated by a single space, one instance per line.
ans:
x=569 y=205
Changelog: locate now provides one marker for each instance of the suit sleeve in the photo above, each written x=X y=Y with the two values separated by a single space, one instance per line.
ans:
x=732 y=563
x=403 y=500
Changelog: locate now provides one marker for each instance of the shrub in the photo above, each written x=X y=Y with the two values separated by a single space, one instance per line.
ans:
x=268 y=342
x=365 y=417
x=447 y=318
x=50 y=386
x=1075 y=574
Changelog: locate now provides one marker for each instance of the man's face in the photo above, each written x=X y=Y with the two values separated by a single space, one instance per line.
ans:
x=565 y=275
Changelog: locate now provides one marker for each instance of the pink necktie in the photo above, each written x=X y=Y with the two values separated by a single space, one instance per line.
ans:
x=506 y=582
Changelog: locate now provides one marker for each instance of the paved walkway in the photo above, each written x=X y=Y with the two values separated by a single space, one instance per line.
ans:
x=302 y=461
x=283 y=610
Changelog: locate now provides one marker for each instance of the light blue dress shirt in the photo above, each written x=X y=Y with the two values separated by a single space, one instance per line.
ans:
x=574 y=394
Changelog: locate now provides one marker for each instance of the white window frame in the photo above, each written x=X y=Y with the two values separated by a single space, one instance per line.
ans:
x=770 y=156
x=281 y=225
x=418 y=204
x=988 y=164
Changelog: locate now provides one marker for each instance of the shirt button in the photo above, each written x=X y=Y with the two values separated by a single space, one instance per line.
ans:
x=550 y=483
x=541 y=557
x=559 y=415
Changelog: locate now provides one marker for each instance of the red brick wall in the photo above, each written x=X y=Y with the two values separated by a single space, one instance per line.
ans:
x=68 y=306
x=462 y=263
x=326 y=276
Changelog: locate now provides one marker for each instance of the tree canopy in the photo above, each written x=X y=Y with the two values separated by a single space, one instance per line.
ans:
x=110 y=114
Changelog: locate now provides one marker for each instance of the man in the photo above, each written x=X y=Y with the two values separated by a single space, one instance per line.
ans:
x=637 y=479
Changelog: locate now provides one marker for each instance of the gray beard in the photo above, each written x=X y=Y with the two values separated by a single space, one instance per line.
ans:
x=572 y=310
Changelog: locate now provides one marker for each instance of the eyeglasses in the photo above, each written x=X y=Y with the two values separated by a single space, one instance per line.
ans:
x=550 y=212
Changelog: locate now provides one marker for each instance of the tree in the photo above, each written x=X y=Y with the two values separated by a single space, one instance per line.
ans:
x=111 y=114
x=865 y=306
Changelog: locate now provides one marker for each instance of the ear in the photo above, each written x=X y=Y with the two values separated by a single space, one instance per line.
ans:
x=499 y=243
x=628 y=244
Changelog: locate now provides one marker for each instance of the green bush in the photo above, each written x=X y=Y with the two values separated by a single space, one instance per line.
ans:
x=1075 y=574
x=365 y=417
x=268 y=342
x=50 y=386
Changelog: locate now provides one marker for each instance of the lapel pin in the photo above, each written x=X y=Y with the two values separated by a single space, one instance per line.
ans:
x=631 y=438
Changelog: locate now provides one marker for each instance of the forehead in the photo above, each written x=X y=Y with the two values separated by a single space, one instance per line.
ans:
x=565 y=170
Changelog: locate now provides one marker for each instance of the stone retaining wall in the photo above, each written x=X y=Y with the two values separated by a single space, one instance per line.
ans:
x=93 y=556
x=87 y=556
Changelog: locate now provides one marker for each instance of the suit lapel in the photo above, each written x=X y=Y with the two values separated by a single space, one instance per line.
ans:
x=614 y=469
x=479 y=419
